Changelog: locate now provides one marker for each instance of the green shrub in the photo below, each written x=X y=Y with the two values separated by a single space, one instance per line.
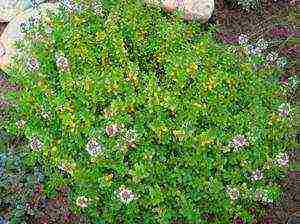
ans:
x=137 y=101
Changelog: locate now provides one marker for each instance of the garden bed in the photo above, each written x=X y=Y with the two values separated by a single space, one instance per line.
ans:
x=232 y=23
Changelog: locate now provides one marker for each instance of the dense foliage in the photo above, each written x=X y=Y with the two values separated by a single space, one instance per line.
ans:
x=146 y=118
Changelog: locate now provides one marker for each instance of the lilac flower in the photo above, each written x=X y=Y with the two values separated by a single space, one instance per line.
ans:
x=233 y=193
x=271 y=57
x=257 y=175
x=98 y=8
x=291 y=50
x=228 y=39
x=112 y=130
x=284 y=109
x=20 y=123
x=71 y=5
x=62 y=63
x=94 y=148
x=33 y=64
x=68 y=217
x=36 y=144
x=25 y=26
x=3 y=220
x=282 y=62
x=253 y=49
x=82 y=202
x=35 y=20
x=125 y=195
x=243 y=39
x=282 y=159
x=67 y=3
x=263 y=196
x=67 y=167
x=2 y=49
x=49 y=30
x=179 y=3
x=262 y=44
x=130 y=136
x=238 y=142
x=281 y=32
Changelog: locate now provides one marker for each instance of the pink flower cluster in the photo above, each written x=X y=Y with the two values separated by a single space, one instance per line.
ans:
x=282 y=159
x=113 y=129
x=125 y=195
x=93 y=147
x=284 y=110
x=228 y=38
x=281 y=32
x=239 y=142
x=36 y=144
x=33 y=64
x=256 y=175
x=62 y=63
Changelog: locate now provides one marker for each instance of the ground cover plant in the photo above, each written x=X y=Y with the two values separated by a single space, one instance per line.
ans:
x=148 y=119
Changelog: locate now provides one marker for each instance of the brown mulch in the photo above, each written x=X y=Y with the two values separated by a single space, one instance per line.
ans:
x=260 y=24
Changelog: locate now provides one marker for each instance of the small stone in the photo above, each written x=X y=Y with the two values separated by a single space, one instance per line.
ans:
x=169 y=5
x=198 y=9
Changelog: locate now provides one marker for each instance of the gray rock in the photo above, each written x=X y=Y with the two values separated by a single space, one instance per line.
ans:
x=10 y=8
x=200 y=10
x=13 y=31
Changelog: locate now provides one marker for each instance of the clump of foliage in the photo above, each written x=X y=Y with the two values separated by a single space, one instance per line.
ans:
x=148 y=119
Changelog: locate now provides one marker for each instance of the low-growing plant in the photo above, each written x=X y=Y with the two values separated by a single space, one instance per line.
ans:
x=148 y=119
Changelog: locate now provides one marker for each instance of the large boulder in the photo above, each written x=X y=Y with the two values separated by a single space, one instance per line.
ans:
x=10 y=8
x=200 y=10
x=13 y=31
